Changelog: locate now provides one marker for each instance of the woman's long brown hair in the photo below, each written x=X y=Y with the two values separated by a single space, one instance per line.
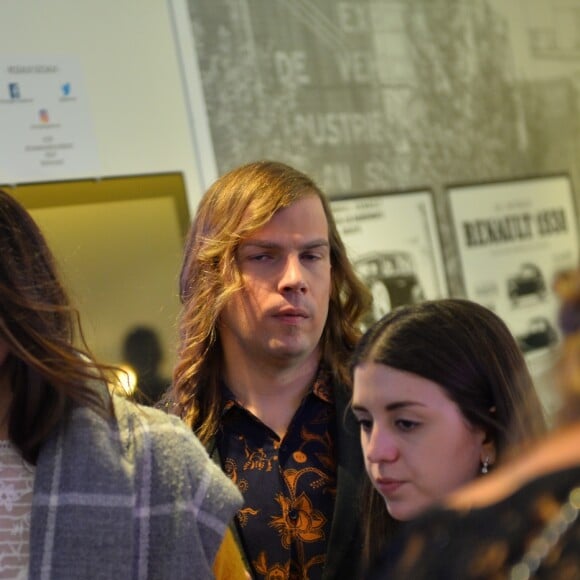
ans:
x=44 y=370
x=470 y=353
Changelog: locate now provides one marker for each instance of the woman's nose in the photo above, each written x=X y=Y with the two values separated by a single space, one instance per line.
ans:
x=381 y=447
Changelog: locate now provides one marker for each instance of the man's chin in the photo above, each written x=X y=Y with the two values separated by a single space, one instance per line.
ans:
x=291 y=351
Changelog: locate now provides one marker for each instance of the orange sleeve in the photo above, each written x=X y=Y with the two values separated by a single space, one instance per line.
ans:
x=228 y=563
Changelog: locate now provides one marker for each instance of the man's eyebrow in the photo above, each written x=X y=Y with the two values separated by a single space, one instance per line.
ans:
x=258 y=244
x=266 y=244
x=313 y=244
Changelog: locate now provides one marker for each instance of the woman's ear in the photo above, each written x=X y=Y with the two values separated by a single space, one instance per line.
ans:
x=488 y=452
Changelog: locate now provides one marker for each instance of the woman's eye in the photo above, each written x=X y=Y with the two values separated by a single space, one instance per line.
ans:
x=365 y=424
x=406 y=424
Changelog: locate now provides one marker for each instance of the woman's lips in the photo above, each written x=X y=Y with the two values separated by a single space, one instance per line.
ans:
x=388 y=486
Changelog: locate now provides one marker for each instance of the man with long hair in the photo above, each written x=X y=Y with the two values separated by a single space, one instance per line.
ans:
x=270 y=315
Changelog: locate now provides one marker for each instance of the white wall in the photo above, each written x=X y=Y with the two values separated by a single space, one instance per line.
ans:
x=127 y=52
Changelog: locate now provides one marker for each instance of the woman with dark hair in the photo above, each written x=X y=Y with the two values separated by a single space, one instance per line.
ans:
x=91 y=485
x=441 y=393
x=522 y=521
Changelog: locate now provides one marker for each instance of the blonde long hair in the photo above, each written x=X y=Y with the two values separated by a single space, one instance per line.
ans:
x=233 y=208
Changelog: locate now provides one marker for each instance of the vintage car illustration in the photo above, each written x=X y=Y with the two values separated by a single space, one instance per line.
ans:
x=539 y=334
x=392 y=280
x=529 y=281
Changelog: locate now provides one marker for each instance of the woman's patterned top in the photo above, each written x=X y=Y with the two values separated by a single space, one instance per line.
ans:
x=16 y=482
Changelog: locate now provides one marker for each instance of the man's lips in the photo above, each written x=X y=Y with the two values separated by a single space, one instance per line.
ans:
x=291 y=314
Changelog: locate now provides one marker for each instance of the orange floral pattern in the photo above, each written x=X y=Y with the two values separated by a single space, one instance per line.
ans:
x=299 y=520
x=275 y=572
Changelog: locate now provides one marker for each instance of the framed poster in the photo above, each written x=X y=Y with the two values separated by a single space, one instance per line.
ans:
x=312 y=84
x=513 y=237
x=393 y=242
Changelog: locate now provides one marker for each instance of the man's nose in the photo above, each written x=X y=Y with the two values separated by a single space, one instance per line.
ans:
x=292 y=278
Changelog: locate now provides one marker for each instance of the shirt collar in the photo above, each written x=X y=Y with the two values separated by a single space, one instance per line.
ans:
x=320 y=388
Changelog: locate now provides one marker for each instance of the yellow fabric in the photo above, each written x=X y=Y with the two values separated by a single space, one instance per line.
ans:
x=228 y=563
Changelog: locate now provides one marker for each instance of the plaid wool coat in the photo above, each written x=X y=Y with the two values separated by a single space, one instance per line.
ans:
x=132 y=498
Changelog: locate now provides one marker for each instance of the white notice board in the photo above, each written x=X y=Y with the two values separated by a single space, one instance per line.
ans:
x=46 y=130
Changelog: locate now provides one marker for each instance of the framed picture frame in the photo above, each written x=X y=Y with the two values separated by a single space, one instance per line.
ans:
x=513 y=237
x=393 y=241
x=305 y=83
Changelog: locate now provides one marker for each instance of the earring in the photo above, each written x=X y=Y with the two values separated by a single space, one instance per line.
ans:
x=485 y=466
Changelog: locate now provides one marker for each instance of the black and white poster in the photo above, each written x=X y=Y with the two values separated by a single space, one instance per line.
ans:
x=393 y=243
x=513 y=237
x=359 y=94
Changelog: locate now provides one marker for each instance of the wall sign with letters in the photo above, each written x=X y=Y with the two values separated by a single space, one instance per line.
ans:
x=46 y=127
x=513 y=237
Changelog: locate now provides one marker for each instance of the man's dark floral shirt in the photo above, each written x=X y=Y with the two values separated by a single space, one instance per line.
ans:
x=289 y=484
